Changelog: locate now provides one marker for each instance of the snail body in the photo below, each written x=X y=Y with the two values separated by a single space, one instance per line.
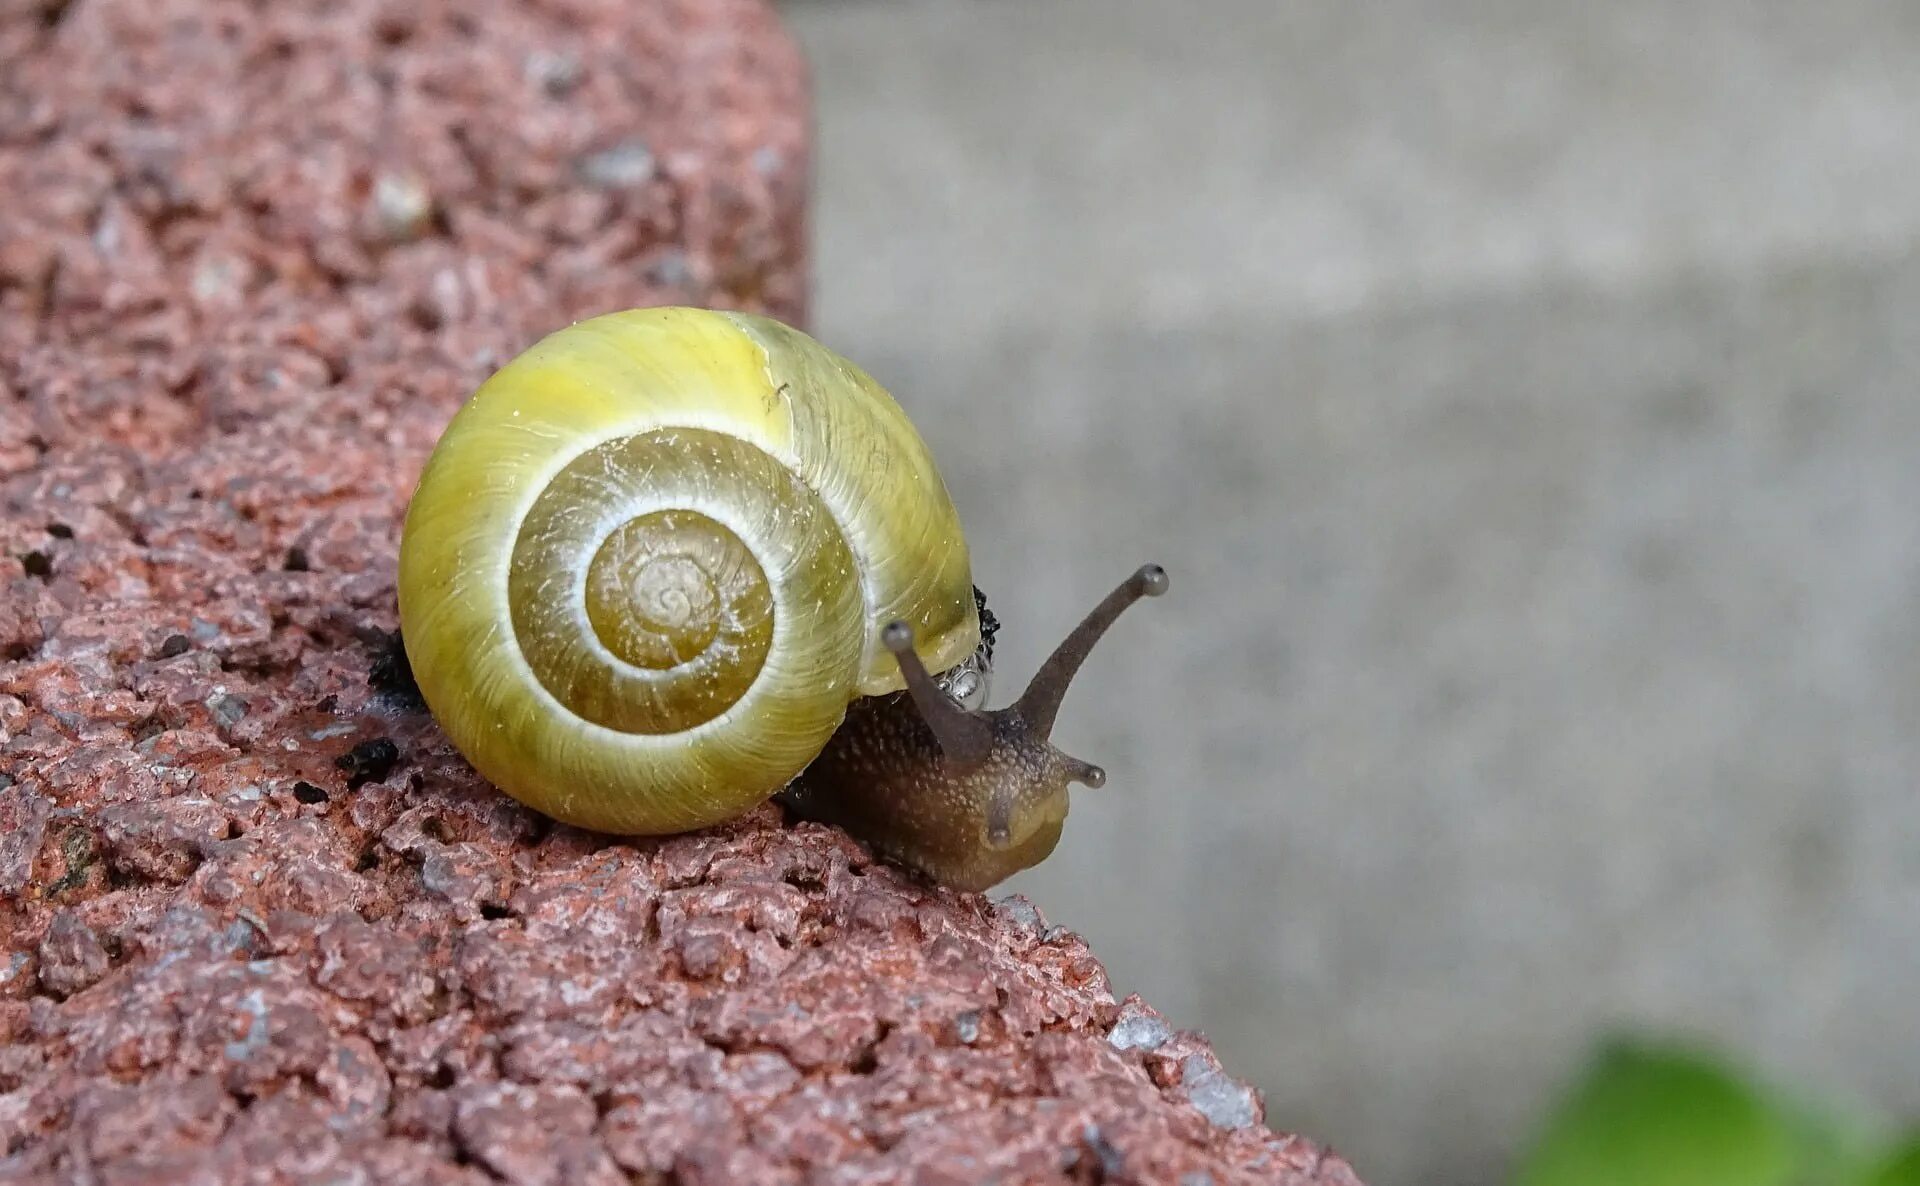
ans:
x=654 y=560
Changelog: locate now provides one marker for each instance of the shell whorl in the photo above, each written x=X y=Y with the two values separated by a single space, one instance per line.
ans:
x=652 y=574
x=645 y=569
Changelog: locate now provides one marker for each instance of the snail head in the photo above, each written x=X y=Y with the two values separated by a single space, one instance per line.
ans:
x=966 y=794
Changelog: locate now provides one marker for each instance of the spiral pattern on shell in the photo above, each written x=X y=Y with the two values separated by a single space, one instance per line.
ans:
x=647 y=565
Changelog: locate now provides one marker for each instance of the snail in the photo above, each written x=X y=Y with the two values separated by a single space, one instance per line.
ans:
x=668 y=563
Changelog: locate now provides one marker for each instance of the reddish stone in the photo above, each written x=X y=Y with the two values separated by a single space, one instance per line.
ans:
x=71 y=957
x=258 y=921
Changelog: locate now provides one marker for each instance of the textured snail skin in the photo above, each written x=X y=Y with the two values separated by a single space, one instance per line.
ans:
x=883 y=779
x=968 y=797
x=648 y=564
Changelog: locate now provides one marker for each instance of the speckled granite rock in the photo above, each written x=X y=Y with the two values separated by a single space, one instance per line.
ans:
x=257 y=922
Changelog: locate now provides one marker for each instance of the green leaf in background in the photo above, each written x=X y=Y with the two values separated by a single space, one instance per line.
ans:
x=1900 y=1168
x=1834 y=1144
x=1656 y=1115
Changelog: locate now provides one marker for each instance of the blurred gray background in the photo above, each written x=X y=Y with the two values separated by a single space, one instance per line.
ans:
x=1526 y=401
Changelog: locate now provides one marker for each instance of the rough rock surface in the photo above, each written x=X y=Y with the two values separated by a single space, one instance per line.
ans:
x=257 y=922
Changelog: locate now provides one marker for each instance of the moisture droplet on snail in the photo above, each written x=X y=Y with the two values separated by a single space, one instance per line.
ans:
x=671 y=562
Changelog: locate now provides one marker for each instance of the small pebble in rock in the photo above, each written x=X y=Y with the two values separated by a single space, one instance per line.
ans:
x=402 y=204
x=625 y=164
x=220 y=279
x=1022 y=913
x=71 y=956
x=1226 y=1103
x=1113 y=1163
x=306 y=792
x=227 y=710
x=670 y=269
x=174 y=646
x=1140 y=1032
x=554 y=73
